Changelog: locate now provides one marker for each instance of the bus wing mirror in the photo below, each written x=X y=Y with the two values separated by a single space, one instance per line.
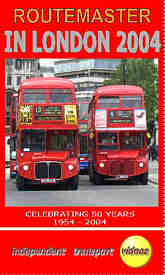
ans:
x=13 y=155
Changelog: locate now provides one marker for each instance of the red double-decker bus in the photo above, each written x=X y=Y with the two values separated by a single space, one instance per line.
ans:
x=12 y=140
x=83 y=104
x=117 y=134
x=47 y=133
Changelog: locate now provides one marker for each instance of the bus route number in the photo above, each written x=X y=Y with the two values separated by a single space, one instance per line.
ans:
x=132 y=42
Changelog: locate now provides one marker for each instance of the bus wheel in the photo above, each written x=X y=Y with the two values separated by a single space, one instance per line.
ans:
x=20 y=183
x=144 y=178
x=72 y=184
x=98 y=179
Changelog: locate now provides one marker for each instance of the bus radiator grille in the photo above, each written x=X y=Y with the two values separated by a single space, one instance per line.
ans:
x=49 y=170
x=54 y=170
x=122 y=167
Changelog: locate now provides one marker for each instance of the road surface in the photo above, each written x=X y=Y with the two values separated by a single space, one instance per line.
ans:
x=88 y=194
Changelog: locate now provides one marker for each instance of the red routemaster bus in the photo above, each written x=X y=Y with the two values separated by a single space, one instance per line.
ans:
x=117 y=134
x=47 y=133
x=83 y=104
x=12 y=140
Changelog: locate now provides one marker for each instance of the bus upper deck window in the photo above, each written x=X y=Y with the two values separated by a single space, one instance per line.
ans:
x=60 y=95
x=108 y=102
x=34 y=96
x=131 y=101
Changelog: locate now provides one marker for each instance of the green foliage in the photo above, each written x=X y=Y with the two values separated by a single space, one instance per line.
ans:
x=142 y=73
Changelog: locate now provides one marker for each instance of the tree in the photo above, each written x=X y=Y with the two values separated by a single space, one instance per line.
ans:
x=142 y=73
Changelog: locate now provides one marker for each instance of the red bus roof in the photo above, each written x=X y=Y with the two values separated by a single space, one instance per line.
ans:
x=47 y=82
x=119 y=90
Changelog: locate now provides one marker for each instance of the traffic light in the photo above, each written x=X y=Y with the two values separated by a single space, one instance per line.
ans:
x=151 y=124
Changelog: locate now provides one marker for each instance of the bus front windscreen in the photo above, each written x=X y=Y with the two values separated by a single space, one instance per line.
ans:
x=60 y=141
x=33 y=140
x=132 y=141
x=107 y=141
x=45 y=141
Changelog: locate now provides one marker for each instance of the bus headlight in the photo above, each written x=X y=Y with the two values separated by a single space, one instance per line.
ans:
x=25 y=167
x=101 y=164
x=70 y=167
x=141 y=164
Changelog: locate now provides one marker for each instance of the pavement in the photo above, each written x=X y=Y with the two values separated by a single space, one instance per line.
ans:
x=153 y=171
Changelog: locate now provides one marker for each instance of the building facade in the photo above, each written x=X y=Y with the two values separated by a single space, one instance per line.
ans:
x=17 y=70
x=87 y=74
x=47 y=71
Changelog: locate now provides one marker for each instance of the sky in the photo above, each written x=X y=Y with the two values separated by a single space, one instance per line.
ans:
x=47 y=62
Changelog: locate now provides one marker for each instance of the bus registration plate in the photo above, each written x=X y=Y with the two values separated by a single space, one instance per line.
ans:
x=123 y=176
x=48 y=181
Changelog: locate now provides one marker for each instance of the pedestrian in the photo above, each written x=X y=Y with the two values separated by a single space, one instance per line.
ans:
x=153 y=152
